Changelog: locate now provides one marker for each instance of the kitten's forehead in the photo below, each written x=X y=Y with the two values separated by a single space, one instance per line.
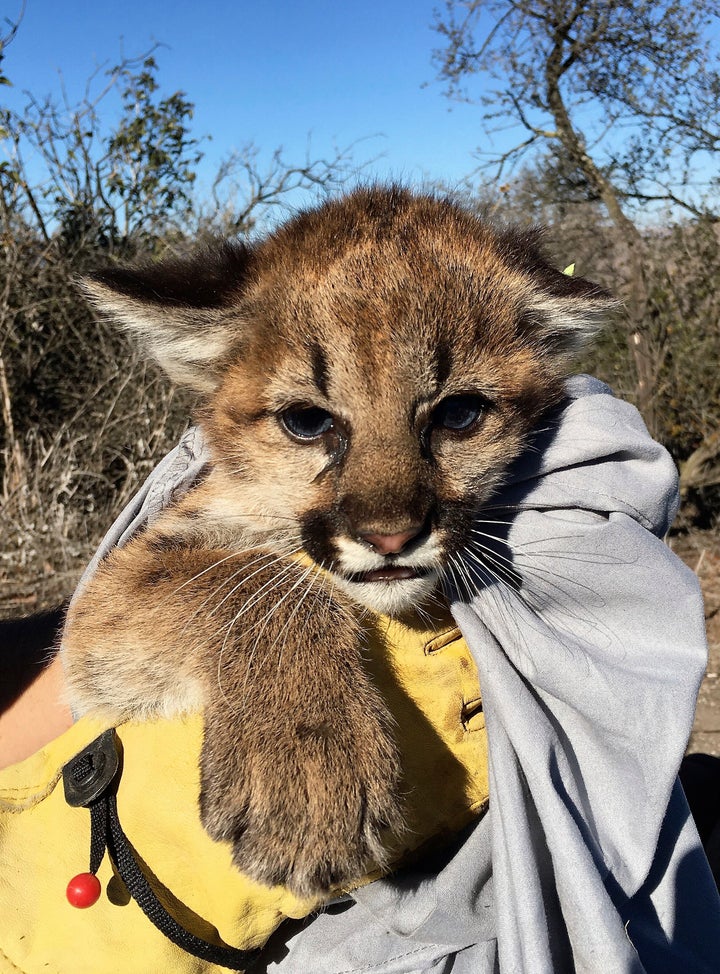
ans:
x=385 y=325
x=360 y=367
x=414 y=275
x=411 y=309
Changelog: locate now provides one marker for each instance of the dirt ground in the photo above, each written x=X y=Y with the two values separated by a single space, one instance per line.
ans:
x=40 y=583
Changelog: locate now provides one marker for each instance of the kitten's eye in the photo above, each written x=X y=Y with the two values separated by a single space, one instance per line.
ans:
x=458 y=413
x=306 y=422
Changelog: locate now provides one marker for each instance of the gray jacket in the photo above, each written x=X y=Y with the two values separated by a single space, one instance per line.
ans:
x=588 y=635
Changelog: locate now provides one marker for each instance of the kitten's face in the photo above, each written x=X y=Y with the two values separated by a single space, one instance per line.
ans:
x=378 y=364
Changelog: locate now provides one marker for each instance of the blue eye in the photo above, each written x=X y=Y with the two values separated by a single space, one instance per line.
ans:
x=458 y=413
x=306 y=422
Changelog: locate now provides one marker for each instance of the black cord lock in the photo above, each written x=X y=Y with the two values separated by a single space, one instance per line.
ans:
x=91 y=772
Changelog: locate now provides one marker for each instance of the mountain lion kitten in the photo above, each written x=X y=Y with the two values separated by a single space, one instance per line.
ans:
x=368 y=372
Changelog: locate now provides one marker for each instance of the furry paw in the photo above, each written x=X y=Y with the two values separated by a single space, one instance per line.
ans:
x=308 y=807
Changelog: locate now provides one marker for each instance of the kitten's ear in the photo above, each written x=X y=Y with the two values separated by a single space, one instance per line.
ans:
x=567 y=312
x=563 y=312
x=177 y=308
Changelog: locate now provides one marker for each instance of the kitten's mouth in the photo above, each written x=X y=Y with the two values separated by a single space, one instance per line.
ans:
x=390 y=573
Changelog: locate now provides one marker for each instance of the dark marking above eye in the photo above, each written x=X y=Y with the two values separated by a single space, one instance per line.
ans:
x=320 y=370
x=443 y=362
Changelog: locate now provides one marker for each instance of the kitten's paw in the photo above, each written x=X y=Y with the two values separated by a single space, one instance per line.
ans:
x=311 y=810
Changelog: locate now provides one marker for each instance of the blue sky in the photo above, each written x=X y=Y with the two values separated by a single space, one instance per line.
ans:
x=272 y=72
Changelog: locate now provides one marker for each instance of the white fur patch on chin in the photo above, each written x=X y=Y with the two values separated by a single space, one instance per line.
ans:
x=392 y=597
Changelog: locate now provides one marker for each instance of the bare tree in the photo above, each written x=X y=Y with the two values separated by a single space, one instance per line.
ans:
x=627 y=93
x=620 y=99
x=248 y=192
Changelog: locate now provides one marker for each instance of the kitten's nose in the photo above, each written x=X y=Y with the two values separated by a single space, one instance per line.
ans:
x=391 y=544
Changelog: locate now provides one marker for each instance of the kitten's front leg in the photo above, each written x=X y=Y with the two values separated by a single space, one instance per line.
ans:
x=299 y=769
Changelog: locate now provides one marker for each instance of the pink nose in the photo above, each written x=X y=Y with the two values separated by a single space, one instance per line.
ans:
x=390 y=544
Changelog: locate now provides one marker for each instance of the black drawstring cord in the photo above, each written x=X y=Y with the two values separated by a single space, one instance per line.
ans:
x=87 y=780
x=98 y=832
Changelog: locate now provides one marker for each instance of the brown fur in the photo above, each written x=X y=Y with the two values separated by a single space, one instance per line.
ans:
x=385 y=313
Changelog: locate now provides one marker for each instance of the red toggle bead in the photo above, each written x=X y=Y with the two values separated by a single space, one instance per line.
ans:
x=83 y=890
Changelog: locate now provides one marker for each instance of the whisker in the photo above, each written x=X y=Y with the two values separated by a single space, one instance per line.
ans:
x=528 y=565
x=271 y=557
x=292 y=615
x=545 y=598
x=209 y=568
x=264 y=556
x=269 y=586
x=265 y=622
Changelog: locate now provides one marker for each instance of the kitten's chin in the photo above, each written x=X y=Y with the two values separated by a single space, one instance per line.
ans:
x=391 y=596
